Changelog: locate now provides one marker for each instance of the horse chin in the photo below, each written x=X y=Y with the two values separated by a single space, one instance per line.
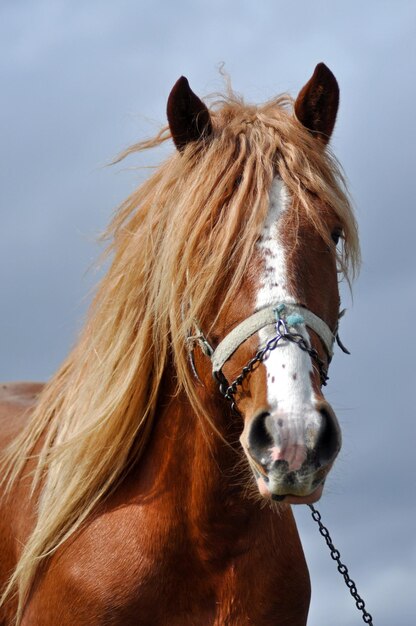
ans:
x=301 y=496
x=307 y=499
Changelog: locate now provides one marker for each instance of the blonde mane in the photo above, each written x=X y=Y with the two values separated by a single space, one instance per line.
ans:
x=190 y=226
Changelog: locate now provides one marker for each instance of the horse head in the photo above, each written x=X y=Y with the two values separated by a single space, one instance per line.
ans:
x=269 y=341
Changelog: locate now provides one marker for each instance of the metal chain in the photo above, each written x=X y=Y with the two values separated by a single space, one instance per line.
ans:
x=229 y=391
x=343 y=570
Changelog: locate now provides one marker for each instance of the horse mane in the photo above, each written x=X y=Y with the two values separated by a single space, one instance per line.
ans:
x=193 y=224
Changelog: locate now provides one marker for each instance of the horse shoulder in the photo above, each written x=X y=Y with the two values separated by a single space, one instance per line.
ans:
x=116 y=568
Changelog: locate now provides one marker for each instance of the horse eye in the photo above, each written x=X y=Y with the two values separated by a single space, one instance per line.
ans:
x=336 y=235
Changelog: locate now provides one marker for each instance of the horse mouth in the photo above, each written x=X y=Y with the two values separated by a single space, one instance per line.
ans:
x=294 y=489
x=293 y=499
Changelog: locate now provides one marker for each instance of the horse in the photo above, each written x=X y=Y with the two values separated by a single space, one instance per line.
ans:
x=151 y=480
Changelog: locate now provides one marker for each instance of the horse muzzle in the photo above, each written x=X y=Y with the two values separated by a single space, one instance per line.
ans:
x=291 y=454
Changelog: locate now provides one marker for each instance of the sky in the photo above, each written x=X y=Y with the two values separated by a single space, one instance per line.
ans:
x=82 y=81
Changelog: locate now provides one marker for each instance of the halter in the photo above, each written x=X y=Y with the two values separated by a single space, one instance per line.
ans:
x=286 y=318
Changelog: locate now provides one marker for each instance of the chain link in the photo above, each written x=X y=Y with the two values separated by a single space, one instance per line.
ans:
x=343 y=569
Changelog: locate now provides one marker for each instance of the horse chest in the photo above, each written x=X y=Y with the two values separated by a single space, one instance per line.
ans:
x=127 y=573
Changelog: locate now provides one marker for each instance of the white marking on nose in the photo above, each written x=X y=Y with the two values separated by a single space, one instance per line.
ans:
x=289 y=386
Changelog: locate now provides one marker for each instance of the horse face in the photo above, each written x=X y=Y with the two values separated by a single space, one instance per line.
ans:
x=291 y=435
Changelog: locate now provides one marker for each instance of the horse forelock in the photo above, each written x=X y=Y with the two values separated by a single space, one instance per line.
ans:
x=175 y=240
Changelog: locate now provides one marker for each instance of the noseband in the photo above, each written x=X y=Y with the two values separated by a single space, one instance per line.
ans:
x=285 y=318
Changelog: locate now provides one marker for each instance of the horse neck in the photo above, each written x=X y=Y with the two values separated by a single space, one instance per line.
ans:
x=197 y=478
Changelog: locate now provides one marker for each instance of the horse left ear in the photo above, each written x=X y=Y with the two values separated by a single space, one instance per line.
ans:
x=188 y=117
x=316 y=106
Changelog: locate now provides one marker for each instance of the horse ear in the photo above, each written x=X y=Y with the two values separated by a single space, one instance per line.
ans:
x=317 y=103
x=188 y=117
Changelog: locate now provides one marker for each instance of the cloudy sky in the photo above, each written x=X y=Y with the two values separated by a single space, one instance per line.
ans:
x=81 y=81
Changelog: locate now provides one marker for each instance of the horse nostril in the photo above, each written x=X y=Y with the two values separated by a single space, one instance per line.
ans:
x=329 y=441
x=259 y=439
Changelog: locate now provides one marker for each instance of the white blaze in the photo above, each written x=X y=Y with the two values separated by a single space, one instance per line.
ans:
x=289 y=386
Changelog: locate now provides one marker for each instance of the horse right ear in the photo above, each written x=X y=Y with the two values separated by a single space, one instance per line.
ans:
x=188 y=117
